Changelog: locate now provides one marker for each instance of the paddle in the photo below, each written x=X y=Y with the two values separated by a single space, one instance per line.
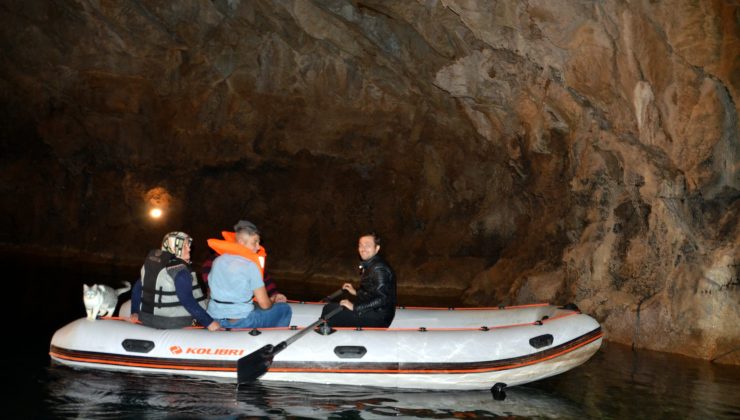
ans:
x=256 y=364
x=333 y=296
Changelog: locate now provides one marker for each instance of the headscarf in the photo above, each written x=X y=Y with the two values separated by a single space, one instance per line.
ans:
x=174 y=242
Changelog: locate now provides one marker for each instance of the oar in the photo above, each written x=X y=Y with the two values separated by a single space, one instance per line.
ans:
x=255 y=364
x=333 y=296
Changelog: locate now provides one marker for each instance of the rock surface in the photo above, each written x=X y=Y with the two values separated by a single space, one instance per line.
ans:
x=509 y=151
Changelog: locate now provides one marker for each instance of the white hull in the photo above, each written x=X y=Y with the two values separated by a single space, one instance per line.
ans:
x=452 y=352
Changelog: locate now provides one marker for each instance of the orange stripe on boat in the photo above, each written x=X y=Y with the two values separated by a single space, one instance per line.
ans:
x=139 y=364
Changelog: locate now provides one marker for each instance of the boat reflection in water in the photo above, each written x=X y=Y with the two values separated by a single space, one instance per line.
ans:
x=100 y=394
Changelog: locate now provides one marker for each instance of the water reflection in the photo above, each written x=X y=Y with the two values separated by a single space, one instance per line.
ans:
x=89 y=394
x=621 y=383
x=381 y=402
x=616 y=383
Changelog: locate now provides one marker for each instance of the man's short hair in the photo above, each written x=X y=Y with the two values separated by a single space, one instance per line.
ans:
x=246 y=226
x=375 y=236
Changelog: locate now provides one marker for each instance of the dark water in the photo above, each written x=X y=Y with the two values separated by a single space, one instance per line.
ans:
x=616 y=383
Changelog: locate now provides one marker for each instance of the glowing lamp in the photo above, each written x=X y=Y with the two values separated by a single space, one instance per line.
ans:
x=155 y=213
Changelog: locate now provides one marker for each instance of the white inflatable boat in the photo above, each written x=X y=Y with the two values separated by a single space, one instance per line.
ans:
x=427 y=348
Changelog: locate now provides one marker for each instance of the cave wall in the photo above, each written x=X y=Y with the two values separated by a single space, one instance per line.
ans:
x=508 y=151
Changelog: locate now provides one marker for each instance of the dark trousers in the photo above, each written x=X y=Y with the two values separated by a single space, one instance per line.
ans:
x=347 y=318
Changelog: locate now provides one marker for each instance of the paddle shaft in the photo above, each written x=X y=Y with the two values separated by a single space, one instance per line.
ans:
x=256 y=364
x=333 y=296
x=300 y=333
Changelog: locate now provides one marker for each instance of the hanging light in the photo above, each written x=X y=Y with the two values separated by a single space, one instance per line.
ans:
x=155 y=213
x=158 y=201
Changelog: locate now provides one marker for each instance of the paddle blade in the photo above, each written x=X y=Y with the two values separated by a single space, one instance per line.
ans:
x=254 y=365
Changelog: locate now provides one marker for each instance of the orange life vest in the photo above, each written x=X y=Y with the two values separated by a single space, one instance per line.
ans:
x=228 y=245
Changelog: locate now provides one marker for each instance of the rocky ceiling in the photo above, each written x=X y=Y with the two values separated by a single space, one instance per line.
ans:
x=508 y=151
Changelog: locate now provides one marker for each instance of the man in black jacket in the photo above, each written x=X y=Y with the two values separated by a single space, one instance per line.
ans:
x=375 y=300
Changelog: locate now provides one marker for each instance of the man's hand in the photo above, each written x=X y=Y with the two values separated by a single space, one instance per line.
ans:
x=134 y=318
x=351 y=289
x=213 y=326
x=278 y=297
x=347 y=304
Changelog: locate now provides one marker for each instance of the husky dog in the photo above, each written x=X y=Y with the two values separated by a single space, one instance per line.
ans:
x=101 y=299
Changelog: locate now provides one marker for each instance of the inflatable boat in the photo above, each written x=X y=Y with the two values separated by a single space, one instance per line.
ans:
x=424 y=348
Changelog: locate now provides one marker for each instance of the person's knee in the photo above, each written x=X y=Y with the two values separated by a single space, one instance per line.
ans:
x=287 y=313
x=282 y=314
x=283 y=308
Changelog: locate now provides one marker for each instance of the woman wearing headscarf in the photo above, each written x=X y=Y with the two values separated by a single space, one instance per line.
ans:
x=168 y=295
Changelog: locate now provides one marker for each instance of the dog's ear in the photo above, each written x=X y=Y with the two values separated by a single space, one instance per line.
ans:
x=85 y=287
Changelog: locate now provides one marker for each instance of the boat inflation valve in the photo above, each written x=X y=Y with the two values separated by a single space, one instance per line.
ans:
x=325 y=329
x=255 y=332
x=498 y=391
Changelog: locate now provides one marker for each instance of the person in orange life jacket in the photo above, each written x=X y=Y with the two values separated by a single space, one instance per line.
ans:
x=375 y=300
x=270 y=285
x=236 y=283
x=168 y=295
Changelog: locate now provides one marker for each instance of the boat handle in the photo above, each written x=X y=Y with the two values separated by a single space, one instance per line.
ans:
x=350 y=352
x=541 y=341
x=137 y=346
